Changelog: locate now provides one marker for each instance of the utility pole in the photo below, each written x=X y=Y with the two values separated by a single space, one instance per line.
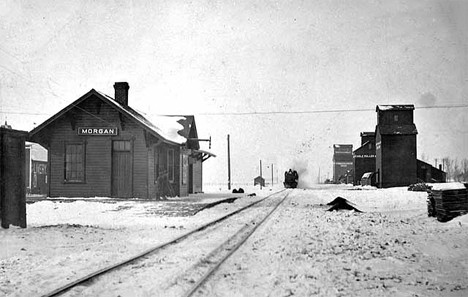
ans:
x=261 y=174
x=229 y=163
x=272 y=175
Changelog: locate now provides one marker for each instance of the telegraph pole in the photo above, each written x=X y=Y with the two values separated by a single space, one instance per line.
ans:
x=229 y=163
x=261 y=174
x=272 y=175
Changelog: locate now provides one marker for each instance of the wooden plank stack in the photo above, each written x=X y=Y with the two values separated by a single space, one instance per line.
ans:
x=431 y=211
x=448 y=204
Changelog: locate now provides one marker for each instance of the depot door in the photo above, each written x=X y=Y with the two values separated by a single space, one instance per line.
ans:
x=190 y=179
x=122 y=169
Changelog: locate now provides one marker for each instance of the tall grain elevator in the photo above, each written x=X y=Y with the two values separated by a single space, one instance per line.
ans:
x=395 y=137
x=342 y=163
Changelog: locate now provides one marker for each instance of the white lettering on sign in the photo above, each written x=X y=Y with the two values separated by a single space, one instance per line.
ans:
x=364 y=156
x=377 y=146
x=97 y=131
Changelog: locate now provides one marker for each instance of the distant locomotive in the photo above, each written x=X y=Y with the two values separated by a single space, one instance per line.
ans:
x=291 y=178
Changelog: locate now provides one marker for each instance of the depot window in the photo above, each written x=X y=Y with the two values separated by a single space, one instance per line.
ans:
x=121 y=146
x=164 y=163
x=170 y=164
x=160 y=164
x=74 y=165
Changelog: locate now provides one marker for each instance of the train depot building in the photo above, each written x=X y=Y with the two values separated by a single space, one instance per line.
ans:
x=99 y=146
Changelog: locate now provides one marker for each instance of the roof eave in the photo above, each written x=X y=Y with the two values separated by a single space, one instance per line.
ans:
x=62 y=112
x=104 y=98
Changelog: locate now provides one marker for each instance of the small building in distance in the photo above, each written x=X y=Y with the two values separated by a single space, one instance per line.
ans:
x=364 y=157
x=36 y=169
x=342 y=163
x=395 y=137
x=259 y=181
x=430 y=174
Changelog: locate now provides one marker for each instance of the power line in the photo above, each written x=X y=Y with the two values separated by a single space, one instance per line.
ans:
x=323 y=111
x=248 y=113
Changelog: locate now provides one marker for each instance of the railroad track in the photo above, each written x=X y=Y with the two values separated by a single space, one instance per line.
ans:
x=224 y=251
x=193 y=245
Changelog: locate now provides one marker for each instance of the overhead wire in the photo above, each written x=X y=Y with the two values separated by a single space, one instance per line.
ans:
x=267 y=112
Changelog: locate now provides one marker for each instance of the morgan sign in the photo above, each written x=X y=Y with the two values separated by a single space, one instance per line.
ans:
x=97 y=131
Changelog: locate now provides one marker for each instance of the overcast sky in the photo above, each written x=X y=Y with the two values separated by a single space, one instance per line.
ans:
x=314 y=69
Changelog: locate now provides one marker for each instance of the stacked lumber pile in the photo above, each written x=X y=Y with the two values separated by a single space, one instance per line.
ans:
x=447 y=204
x=431 y=210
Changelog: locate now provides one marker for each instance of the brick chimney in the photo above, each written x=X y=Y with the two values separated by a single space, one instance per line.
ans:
x=121 y=92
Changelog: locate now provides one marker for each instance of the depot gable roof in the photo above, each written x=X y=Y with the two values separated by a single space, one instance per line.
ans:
x=166 y=128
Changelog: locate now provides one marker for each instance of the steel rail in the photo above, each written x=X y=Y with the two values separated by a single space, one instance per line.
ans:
x=109 y=268
x=210 y=272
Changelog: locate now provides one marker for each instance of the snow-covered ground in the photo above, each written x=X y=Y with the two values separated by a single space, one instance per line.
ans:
x=391 y=249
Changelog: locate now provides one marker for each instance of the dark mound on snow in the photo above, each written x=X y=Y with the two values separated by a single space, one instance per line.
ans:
x=238 y=191
x=340 y=203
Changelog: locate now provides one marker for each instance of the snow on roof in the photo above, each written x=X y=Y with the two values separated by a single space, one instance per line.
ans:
x=395 y=107
x=447 y=186
x=165 y=126
x=168 y=127
x=38 y=153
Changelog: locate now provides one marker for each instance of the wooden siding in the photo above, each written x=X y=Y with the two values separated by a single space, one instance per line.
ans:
x=398 y=153
x=98 y=151
x=378 y=159
x=152 y=185
x=428 y=173
x=12 y=178
x=94 y=113
x=177 y=184
x=197 y=176
x=367 y=136
x=386 y=117
x=140 y=161
x=151 y=188
x=361 y=166
x=342 y=160
x=340 y=170
x=364 y=160
x=184 y=188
